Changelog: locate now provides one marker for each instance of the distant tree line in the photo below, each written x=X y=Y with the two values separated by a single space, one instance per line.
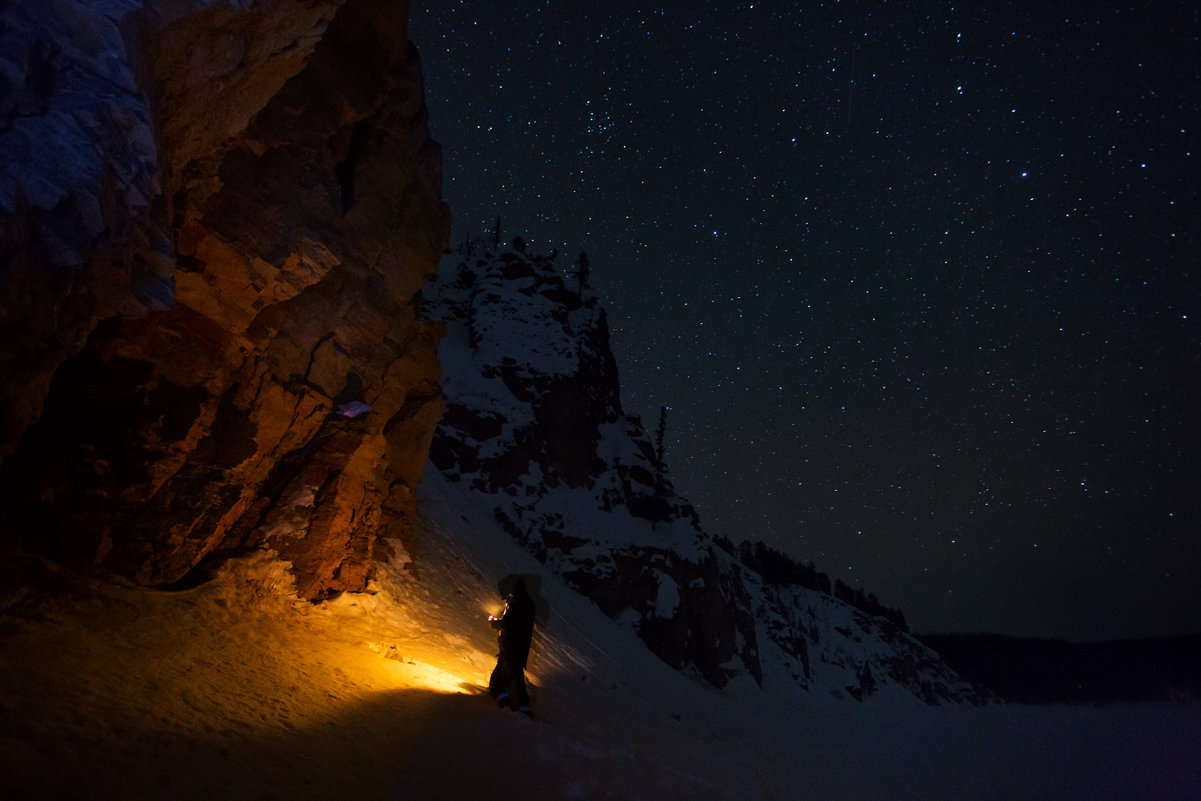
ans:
x=580 y=270
x=780 y=569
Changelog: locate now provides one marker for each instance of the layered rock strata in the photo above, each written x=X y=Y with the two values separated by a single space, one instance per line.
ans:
x=214 y=317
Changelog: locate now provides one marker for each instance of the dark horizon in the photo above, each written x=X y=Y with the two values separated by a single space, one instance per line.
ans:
x=1032 y=671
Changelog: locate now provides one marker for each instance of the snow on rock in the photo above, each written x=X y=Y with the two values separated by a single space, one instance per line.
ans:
x=829 y=645
x=535 y=434
x=353 y=409
x=668 y=599
x=535 y=428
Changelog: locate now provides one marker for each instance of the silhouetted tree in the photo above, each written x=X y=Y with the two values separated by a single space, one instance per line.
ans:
x=725 y=543
x=660 y=466
x=780 y=569
x=660 y=448
x=583 y=272
x=467 y=248
x=843 y=592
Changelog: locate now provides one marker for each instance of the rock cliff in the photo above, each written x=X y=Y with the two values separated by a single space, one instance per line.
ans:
x=535 y=427
x=535 y=434
x=216 y=220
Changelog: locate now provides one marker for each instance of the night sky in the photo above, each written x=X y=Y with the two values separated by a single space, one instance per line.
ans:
x=919 y=287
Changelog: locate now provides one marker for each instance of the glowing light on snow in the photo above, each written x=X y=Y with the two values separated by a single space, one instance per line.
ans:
x=413 y=673
x=417 y=670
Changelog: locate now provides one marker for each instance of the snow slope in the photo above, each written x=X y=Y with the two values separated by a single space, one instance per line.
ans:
x=236 y=690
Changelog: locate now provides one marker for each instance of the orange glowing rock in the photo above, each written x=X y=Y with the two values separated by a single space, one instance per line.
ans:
x=298 y=202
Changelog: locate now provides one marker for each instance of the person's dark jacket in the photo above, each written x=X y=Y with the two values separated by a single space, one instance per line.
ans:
x=516 y=627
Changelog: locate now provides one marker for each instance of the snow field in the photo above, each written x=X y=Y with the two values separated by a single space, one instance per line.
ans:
x=236 y=690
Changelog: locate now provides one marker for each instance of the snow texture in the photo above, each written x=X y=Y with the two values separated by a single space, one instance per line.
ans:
x=236 y=690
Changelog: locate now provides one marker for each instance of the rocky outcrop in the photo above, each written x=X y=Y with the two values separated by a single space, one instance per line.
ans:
x=210 y=307
x=535 y=428
x=825 y=643
x=535 y=434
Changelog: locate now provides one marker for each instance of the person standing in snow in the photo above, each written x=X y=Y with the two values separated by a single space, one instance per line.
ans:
x=515 y=629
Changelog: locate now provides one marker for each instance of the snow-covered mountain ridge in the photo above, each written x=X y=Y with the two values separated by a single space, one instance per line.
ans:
x=535 y=432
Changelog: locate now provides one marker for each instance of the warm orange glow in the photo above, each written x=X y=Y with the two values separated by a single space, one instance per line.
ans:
x=428 y=668
x=419 y=674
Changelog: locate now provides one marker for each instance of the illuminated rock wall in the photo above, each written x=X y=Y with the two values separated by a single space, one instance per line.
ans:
x=214 y=321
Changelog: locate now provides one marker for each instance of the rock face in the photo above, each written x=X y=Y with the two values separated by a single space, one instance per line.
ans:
x=79 y=240
x=534 y=431
x=211 y=335
x=535 y=427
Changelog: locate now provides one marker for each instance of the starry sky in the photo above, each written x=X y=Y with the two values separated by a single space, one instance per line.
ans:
x=919 y=282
